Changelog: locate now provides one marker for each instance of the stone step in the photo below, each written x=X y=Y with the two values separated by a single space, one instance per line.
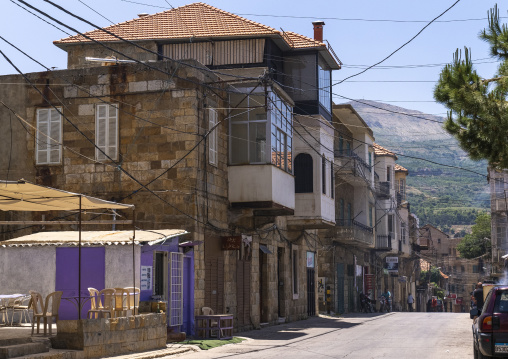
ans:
x=19 y=350
x=57 y=354
x=14 y=341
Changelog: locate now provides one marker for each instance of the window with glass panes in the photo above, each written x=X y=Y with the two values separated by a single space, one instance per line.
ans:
x=281 y=116
x=249 y=124
x=248 y=128
x=324 y=83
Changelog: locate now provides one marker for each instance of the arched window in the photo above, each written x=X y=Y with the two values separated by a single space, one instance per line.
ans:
x=303 y=173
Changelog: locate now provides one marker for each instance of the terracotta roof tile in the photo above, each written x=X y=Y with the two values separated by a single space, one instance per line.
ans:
x=298 y=41
x=381 y=151
x=400 y=168
x=197 y=20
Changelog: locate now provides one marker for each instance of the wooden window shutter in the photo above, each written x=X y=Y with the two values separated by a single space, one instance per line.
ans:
x=41 y=138
x=106 y=132
x=213 y=136
x=55 y=132
x=48 y=138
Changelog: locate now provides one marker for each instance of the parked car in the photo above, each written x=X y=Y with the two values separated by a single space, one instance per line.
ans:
x=439 y=305
x=490 y=325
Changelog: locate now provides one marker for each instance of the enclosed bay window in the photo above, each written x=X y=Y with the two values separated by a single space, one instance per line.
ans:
x=48 y=138
x=324 y=83
x=251 y=120
x=106 y=132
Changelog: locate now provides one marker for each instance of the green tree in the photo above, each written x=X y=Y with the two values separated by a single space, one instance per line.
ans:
x=478 y=115
x=478 y=242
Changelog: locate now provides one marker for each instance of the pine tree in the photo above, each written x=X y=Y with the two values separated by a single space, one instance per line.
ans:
x=478 y=108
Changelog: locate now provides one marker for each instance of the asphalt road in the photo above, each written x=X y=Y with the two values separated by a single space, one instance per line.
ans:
x=392 y=335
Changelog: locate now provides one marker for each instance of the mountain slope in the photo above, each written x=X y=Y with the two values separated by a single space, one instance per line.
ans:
x=445 y=187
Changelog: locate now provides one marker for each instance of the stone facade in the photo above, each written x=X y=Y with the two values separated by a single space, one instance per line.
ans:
x=99 y=338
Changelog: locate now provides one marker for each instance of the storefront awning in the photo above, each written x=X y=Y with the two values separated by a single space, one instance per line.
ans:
x=26 y=196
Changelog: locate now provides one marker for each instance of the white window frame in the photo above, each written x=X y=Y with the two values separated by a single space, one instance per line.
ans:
x=108 y=148
x=176 y=292
x=48 y=141
x=213 y=137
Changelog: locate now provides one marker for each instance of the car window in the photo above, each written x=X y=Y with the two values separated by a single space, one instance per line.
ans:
x=501 y=304
x=487 y=301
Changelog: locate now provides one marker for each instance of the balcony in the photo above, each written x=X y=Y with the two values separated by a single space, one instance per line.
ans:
x=499 y=202
x=382 y=190
x=352 y=231
x=424 y=244
x=264 y=188
x=383 y=242
x=352 y=168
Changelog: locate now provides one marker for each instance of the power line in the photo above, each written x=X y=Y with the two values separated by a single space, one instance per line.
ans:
x=328 y=18
x=400 y=47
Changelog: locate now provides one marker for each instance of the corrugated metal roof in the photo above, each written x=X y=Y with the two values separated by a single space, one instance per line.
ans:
x=92 y=238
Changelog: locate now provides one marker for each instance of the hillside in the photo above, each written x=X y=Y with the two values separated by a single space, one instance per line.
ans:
x=439 y=193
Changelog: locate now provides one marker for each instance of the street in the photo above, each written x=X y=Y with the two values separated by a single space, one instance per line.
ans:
x=358 y=335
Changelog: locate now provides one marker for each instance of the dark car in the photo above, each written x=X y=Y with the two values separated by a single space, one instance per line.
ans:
x=439 y=305
x=490 y=328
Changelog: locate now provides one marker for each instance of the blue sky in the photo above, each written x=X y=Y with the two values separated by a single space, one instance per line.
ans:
x=357 y=42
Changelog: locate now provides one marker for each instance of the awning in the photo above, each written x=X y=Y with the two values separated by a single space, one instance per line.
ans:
x=265 y=249
x=443 y=275
x=92 y=238
x=26 y=196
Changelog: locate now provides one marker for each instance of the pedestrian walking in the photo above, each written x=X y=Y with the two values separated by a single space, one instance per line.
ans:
x=410 y=301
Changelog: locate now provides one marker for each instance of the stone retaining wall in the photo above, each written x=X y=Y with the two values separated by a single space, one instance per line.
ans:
x=107 y=337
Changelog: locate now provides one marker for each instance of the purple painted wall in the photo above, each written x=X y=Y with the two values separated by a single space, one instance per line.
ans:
x=188 y=279
x=92 y=275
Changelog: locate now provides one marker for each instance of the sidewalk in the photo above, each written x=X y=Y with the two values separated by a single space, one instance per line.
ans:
x=171 y=349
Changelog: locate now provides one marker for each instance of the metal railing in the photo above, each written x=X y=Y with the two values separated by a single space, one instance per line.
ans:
x=354 y=231
x=384 y=242
x=382 y=189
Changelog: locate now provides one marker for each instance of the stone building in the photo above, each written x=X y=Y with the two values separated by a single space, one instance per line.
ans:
x=195 y=116
x=498 y=183
x=372 y=222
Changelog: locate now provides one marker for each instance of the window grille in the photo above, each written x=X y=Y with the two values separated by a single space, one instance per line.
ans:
x=176 y=293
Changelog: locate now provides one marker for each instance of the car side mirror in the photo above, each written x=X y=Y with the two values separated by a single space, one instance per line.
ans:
x=474 y=313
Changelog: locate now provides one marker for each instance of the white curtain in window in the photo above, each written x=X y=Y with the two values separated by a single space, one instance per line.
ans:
x=176 y=293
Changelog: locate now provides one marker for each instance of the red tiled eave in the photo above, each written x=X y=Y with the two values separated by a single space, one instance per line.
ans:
x=381 y=151
x=194 y=21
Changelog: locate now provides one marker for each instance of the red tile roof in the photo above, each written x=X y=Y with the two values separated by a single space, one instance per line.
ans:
x=197 y=20
x=381 y=151
x=400 y=168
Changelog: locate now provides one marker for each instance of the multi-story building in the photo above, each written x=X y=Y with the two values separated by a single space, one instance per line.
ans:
x=207 y=122
x=498 y=183
x=354 y=259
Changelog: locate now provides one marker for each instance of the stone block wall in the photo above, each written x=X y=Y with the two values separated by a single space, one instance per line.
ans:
x=100 y=338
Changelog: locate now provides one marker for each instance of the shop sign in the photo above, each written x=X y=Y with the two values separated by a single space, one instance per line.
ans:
x=146 y=277
x=392 y=265
x=231 y=242
x=310 y=259
x=369 y=283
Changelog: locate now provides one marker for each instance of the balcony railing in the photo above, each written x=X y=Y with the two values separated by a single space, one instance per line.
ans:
x=384 y=242
x=354 y=231
x=352 y=164
x=499 y=203
x=382 y=189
